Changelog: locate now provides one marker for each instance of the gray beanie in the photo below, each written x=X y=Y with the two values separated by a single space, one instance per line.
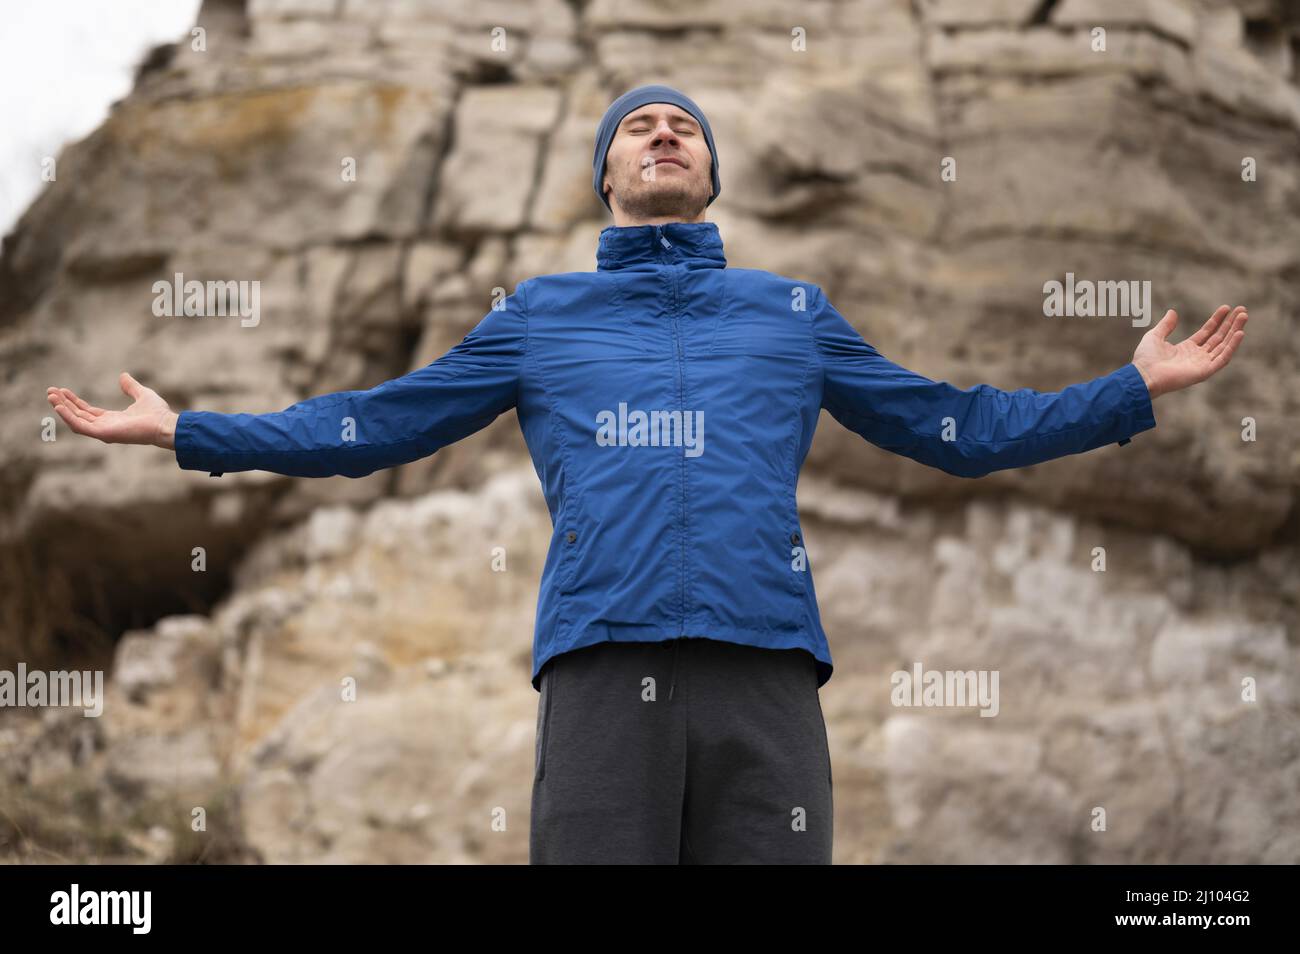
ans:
x=631 y=100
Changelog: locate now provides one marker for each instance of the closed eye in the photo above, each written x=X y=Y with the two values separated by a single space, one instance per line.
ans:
x=682 y=131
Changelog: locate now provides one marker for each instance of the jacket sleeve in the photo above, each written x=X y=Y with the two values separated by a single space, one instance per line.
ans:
x=986 y=429
x=355 y=433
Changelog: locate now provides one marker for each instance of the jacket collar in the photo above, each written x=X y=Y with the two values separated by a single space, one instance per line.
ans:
x=693 y=244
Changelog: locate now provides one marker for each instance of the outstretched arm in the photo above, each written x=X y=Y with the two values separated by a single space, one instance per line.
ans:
x=972 y=432
x=348 y=433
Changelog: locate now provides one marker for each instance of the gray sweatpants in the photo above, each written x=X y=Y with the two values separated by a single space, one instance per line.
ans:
x=687 y=751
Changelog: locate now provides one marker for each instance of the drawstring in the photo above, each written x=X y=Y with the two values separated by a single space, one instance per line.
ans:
x=676 y=644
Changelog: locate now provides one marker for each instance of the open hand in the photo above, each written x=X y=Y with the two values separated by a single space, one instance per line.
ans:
x=147 y=421
x=1169 y=367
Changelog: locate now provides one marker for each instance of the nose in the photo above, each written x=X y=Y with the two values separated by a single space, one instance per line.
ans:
x=664 y=135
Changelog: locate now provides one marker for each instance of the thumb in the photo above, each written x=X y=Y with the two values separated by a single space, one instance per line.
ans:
x=1166 y=324
x=130 y=386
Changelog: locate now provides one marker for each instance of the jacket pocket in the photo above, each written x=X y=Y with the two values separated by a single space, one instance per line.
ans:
x=544 y=711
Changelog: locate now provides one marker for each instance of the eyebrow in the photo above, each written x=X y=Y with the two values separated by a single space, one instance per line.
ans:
x=650 y=116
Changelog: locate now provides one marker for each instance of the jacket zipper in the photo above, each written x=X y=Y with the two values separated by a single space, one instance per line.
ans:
x=681 y=395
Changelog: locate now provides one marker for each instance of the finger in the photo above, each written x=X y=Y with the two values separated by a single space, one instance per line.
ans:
x=78 y=426
x=66 y=399
x=1166 y=324
x=60 y=402
x=1225 y=327
x=1225 y=353
x=130 y=385
x=77 y=405
x=1211 y=323
x=1217 y=341
x=1220 y=329
x=79 y=414
x=94 y=411
x=1219 y=349
x=1216 y=334
x=1229 y=344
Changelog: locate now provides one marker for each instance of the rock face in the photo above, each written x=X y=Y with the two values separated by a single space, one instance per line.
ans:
x=346 y=677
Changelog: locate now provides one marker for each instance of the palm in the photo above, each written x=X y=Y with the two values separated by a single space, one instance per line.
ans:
x=137 y=424
x=1168 y=367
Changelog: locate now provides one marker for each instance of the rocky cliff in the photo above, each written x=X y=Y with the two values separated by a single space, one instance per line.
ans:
x=469 y=131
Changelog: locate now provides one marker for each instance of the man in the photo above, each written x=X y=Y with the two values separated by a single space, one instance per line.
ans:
x=678 y=648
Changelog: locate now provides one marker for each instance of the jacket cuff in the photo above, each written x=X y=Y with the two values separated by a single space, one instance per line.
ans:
x=1140 y=414
x=189 y=456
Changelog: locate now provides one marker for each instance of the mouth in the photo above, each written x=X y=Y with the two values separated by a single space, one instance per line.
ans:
x=676 y=162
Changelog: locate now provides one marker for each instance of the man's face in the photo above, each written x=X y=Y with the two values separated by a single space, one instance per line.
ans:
x=658 y=165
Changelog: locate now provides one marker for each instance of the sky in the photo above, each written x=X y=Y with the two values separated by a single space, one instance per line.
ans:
x=62 y=63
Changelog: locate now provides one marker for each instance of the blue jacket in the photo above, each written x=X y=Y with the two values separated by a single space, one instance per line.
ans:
x=668 y=403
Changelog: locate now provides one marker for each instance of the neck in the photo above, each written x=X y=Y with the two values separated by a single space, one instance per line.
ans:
x=623 y=219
